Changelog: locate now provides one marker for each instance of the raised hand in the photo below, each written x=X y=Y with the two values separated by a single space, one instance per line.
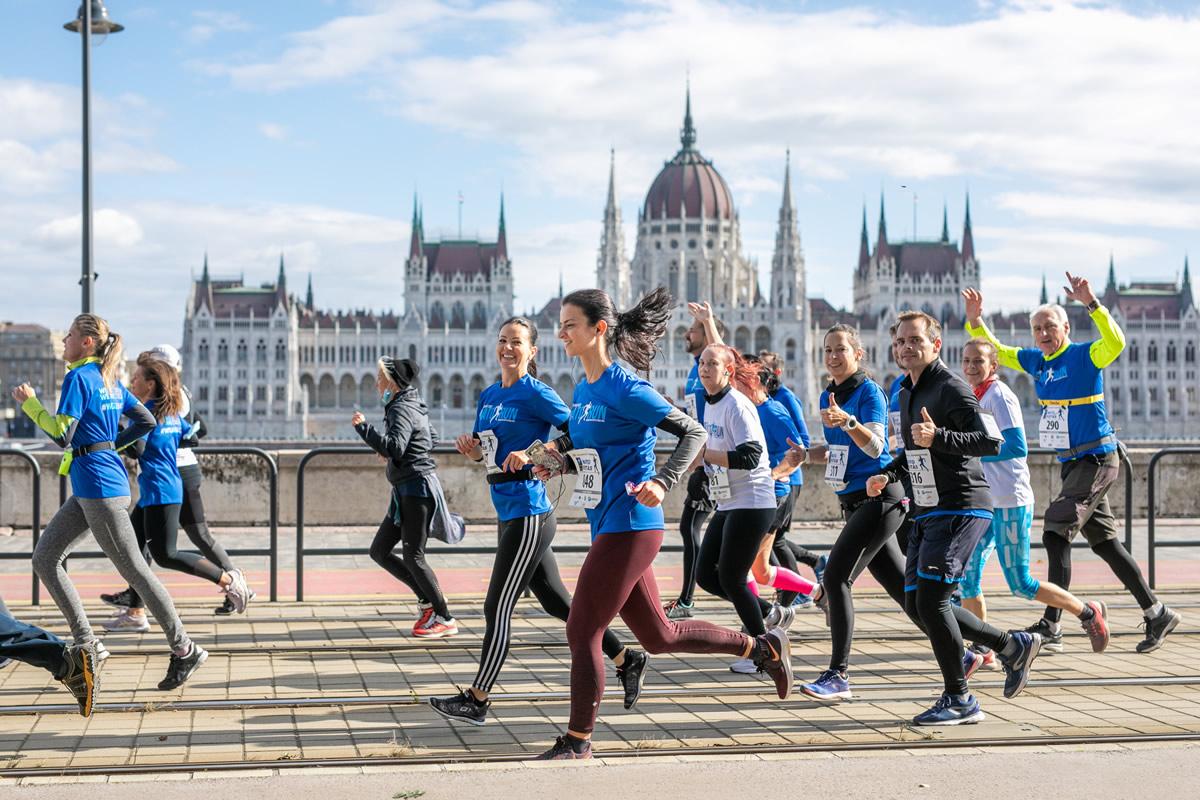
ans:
x=22 y=393
x=700 y=311
x=833 y=416
x=1079 y=290
x=974 y=302
x=924 y=431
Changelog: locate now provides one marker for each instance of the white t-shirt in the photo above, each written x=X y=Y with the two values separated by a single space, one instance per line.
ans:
x=185 y=456
x=731 y=421
x=1008 y=480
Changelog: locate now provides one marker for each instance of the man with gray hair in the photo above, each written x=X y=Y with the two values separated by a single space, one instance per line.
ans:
x=1069 y=380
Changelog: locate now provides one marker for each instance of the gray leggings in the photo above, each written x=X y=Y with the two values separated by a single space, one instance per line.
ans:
x=109 y=522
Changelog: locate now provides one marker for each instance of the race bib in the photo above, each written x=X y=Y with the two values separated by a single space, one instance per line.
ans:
x=589 y=479
x=895 y=440
x=718 y=483
x=989 y=425
x=1053 y=431
x=835 y=468
x=489 y=444
x=920 y=473
x=689 y=402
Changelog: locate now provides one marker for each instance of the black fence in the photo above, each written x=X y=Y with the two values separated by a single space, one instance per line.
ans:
x=35 y=503
x=1152 y=541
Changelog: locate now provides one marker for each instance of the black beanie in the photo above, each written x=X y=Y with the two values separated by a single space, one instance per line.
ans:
x=402 y=371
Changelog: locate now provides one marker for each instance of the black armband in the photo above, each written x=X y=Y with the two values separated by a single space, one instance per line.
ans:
x=745 y=456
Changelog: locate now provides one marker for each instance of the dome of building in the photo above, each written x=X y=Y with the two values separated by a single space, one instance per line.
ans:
x=688 y=186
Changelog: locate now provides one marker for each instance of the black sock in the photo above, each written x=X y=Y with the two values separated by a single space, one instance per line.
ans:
x=577 y=745
x=1087 y=614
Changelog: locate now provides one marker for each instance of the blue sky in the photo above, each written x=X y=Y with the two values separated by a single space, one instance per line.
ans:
x=244 y=132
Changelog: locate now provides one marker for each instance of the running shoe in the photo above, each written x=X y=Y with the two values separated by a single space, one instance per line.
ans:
x=81 y=676
x=744 y=666
x=632 y=674
x=802 y=601
x=124 y=622
x=972 y=661
x=423 y=618
x=437 y=628
x=4 y=662
x=102 y=653
x=181 y=668
x=819 y=567
x=832 y=685
x=989 y=656
x=1016 y=667
x=226 y=608
x=238 y=591
x=1157 y=629
x=122 y=599
x=775 y=659
x=780 y=617
x=949 y=710
x=1051 y=634
x=1097 y=626
x=677 y=609
x=462 y=707
x=564 y=751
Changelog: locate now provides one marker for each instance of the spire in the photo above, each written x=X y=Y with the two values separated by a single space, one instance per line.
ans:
x=502 y=238
x=414 y=240
x=1112 y=274
x=968 y=242
x=612 y=270
x=204 y=274
x=864 y=246
x=1185 y=288
x=787 y=180
x=687 y=136
x=612 y=179
x=881 y=243
x=204 y=290
x=282 y=279
x=945 y=225
x=281 y=295
x=1044 y=297
x=561 y=294
x=308 y=298
x=787 y=262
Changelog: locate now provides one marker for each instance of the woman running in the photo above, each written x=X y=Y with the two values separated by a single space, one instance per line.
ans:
x=406 y=443
x=513 y=413
x=191 y=513
x=854 y=416
x=610 y=448
x=160 y=493
x=91 y=402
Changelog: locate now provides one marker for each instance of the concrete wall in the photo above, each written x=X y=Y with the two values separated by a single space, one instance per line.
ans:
x=352 y=490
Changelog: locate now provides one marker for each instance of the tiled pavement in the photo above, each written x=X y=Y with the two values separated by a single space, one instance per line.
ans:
x=351 y=683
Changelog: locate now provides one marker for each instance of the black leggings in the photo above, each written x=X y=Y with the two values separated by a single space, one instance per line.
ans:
x=193 y=522
x=523 y=560
x=730 y=546
x=696 y=511
x=867 y=541
x=1058 y=571
x=946 y=625
x=416 y=514
x=157 y=529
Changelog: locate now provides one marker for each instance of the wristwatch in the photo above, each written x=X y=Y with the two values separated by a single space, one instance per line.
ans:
x=1093 y=306
x=851 y=423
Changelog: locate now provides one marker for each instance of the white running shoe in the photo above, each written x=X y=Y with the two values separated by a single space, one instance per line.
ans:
x=238 y=591
x=780 y=617
x=744 y=666
x=126 y=622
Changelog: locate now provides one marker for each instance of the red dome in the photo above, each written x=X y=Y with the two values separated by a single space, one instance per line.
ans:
x=688 y=185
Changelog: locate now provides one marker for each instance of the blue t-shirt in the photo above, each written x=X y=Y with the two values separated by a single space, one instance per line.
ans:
x=98 y=410
x=777 y=428
x=616 y=417
x=517 y=415
x=895 y=439
x=694 y=390
x=1072 y=375
x=787 y=398
x=867 y=404
x=159 y=483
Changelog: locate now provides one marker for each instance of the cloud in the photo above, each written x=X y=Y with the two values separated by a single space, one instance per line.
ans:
x=110 y=228
x=1106 y=210
x=273 y=131
x=206 y=24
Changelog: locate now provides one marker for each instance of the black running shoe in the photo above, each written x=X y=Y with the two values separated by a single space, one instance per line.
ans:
x=1157 y=630
x=775 y=659
x=225 y=609
x=462 y=707
x=182 y=667
x=4 y=662
x=632 y=674
x=564 y=751
x=1051 y=639
x=80 y=678
x=122 y=599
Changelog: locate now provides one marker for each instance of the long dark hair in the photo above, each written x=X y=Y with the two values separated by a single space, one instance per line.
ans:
x=168 y=395
x=528 y=325
x=633 y=334
x=768 y=370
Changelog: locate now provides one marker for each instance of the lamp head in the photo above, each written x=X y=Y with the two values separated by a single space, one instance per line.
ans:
x=101 y=24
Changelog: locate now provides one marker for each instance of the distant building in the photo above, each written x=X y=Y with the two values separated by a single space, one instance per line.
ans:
x=28 y=354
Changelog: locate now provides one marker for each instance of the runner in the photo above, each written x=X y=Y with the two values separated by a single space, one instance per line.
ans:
x=160 y=493
x=90 y=404
x=1069 y=380
x=610 y=447
x=705 y=330
x=944 y=434
x=513 y=413
x=1007 y=476
x=416 y=497
x=77 y=668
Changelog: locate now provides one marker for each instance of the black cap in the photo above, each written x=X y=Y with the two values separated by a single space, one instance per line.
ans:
x=402 y=371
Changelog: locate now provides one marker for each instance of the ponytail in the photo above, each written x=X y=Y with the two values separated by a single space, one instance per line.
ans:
x=633 y=334
x=108 y=345
x=745 y=377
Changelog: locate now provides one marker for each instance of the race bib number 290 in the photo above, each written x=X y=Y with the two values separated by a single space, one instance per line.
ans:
x=1053 y=431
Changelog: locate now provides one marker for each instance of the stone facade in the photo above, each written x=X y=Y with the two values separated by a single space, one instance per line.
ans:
x=28 y=354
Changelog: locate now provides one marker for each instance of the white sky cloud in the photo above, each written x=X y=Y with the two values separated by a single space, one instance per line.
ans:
x=273 y=131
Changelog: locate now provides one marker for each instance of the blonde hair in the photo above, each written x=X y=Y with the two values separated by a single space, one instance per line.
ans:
x=108 y=346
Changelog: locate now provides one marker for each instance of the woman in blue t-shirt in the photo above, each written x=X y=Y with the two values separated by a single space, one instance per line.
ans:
x=160 y=493
x=854 y=416
x=513 y=413
x=90 y=405
x=610 y=448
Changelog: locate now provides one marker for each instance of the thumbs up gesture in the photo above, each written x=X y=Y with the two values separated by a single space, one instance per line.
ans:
x=833 y=416
x=924 y=431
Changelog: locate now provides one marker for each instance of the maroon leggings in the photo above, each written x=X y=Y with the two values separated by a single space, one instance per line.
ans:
x=616 y=578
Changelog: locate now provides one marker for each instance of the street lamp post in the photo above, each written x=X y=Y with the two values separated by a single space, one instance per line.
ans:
x=92 y=18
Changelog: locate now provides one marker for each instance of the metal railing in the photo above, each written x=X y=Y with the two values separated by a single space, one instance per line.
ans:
x=1152 y=512
x=35 y=516
x=1128 y=470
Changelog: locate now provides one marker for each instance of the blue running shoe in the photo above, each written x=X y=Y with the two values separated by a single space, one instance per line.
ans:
x=831 y=686
x=1016 y=668
x=972 y=661
x=802 y=601
x=950 y=711
x=819 y=568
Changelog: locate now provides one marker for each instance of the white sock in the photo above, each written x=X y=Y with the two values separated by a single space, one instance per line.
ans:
x=1153 y=611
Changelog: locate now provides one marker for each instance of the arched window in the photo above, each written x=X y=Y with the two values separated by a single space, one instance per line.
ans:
x=1152 y=352
x=347 y=392
x=202 y=350
x=437 y=315
x=477 y=387
x=367 y=391
x=222 y=352
x=1189 y=353
x=281 y=350
x=243 y=352
x=437 y=393
x=458 y=316
x=308 y=388
x=479 y=316
x=693 y=283
x=412 y=352
x=1171 y=352
x=741 y=339
x=680 y=340
x=762 y=339
x=457 y=392
x=260 y=352
x=789 y=351
x=327 y=392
